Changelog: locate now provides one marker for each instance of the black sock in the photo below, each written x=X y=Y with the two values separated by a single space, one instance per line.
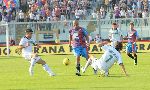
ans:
x=130 y=55
x=135 y=58
x=78 y=68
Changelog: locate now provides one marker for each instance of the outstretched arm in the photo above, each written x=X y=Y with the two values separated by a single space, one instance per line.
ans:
x=103 y=43
x=37 y=45
x=19 y=49
x=123 y=69
x=70 y=39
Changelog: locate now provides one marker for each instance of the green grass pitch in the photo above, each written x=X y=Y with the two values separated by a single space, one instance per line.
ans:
x=14 y=75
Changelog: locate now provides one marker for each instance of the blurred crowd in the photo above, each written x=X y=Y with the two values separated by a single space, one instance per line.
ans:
x=54 y=10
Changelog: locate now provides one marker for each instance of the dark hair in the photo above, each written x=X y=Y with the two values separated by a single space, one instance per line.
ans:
x=114 y=23
x=118 y=46
x=28 y=30
x=131 y=23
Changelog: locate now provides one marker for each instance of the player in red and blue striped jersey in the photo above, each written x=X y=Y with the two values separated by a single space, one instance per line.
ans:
x=131 y=46
x=79 y=41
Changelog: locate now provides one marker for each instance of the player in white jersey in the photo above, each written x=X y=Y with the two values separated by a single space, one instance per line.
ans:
x=26 y=46
x=115 y=35
x=110 y=56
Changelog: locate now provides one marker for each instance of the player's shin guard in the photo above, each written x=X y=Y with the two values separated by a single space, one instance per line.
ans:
x=135 y=59
x=48 y=70
x=130 y=55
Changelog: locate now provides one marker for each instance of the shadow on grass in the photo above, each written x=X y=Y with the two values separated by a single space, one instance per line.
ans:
x=107 y=88
x=73 y=75
x=63 y=88
x=83 y=75
x=113 y=76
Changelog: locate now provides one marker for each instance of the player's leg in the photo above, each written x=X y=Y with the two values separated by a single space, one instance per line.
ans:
x=91 y=61
x=33 y=60
x=85 y=54
x=129 y=50
x=86 y=65
x=78 y=66
x=130 y=55
x=76 y=52
x=135 y=58
x=134 y=49
x=46 y=67
x=104 y=72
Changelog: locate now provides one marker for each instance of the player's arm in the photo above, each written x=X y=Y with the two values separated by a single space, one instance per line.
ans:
x=70 y=39
x=137 y=36
x=103 y=43
x=121 y=36
x=123 y=69
x=87 y=39
x=86 y=36
x=37 y=45
x=126 y=36
x=19 y=49
x=110 y=36
x=120 y=63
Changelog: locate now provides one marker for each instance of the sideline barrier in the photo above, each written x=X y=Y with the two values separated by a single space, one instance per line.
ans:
x=65 y=49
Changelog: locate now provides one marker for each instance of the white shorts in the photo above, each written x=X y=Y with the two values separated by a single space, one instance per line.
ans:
x=98 y=64
x=27 y=56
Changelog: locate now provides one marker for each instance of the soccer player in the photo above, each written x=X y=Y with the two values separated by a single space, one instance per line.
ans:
x=131 y=46
x=26 y=46
x=98 y=38
x=115 y=35
x=110 y=56
x=79 y=41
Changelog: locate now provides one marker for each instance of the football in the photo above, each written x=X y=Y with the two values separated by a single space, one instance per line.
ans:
x=66 y=61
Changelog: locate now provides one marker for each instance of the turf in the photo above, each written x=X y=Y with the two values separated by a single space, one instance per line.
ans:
x=14 y=75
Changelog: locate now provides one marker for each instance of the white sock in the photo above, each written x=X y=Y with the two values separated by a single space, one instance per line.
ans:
x=87 y=64
x=48 y=70
x=32 y=63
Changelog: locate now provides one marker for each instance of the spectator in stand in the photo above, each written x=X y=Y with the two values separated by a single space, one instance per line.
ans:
x=116 y=12
x=145 y=16
x=1 y=13
x=21 y=16
x=71 y=9
x=31 y=16
x=57 y=12
x=77 y=14
x=102 y=12
x=11 y=42
x=122 y=13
